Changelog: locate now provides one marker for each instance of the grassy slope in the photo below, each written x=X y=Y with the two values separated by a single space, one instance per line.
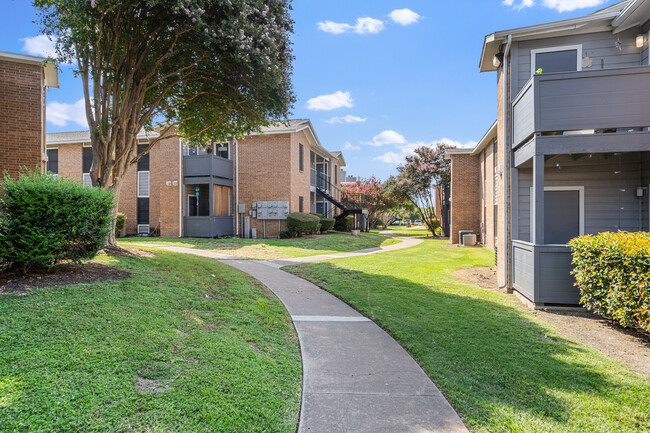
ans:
x=408 y=231
x=273 y=249
x=499 y=366
x=70 y=357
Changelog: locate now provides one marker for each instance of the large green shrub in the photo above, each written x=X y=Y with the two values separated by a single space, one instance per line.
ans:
x=612 y=271
x=327 y=224
x=345 y=224
x=45 y=221
x=302 y=223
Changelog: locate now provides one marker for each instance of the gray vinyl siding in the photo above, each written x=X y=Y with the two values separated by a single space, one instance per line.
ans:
x=644 y=56
x=607 y=208
x=600 y=47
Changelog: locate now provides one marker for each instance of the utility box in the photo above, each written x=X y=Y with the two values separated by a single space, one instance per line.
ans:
x=469 y=240
x=272 y=210
x=461 y=233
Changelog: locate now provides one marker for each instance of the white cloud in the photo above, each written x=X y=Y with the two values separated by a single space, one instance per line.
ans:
x=571 y=5
x=346 y=119
x=387 y=137
x=404 y=17
x=333 y=101
x=363 y=25
x=558 y=5
x=41 y=45
x=60 y=113
x=349 y=146
x=408 y=149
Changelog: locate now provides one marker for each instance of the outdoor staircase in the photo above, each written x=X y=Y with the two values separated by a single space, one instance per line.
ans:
x=350 y=204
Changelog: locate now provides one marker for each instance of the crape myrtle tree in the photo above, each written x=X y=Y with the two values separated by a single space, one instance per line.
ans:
x=200 y=69
x=368 y=194
x=398 y=205
x=423 y=171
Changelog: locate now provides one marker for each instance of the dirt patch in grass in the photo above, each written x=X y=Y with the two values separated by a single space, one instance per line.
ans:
x=62 y=275
x=148 y=386
x=485 y=278
x=627 y=345
x=120 y=251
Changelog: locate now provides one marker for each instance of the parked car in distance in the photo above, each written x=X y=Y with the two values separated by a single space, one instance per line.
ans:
x=418 y=222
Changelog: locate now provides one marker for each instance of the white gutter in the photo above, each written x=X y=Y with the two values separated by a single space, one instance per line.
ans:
x=506 y=166
x=236 y=185
x=181 y=187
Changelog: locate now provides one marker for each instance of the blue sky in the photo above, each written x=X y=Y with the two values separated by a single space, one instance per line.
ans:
x=377 y=78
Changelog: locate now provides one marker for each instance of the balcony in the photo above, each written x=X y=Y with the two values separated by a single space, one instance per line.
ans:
x=207 y=167
x=609 y=99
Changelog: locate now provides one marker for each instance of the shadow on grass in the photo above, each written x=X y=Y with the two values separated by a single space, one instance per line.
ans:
x=501 y=370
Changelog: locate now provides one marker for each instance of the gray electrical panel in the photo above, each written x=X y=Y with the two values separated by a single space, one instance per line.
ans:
x=271 y=210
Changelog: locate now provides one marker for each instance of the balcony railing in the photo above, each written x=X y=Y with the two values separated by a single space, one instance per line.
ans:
x=320 y=180
x=207 y=165
x=584 y=100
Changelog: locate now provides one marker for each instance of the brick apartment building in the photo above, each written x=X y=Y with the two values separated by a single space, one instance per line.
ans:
x=569 y=154
x=242 y=187
x=24 y=81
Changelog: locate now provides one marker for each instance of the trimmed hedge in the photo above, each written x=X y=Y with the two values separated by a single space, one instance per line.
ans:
x=344 y=225
x=327 y=224
x=45 y=221
x=302 y=223
x=612 y=271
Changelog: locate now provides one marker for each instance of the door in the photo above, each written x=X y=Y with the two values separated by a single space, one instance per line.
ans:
x=561 y=216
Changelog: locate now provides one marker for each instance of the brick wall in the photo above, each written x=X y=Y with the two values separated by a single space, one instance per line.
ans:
x=22 y=105
x=502 y=236
x=300 y=180
x=70 y=161
x=164 y=202
x=465 y=195
x=265 y=163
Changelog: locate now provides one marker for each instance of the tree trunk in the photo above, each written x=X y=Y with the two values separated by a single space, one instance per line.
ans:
x=116 y=187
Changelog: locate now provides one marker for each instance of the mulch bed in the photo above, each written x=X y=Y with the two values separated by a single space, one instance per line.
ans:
x=62 y=275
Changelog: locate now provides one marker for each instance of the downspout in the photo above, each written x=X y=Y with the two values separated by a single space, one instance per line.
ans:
x=181 y=186
x=506 y=166
x=236 y=185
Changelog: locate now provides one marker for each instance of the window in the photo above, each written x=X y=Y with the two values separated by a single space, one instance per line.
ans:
x=336 y=175
x=223 y=150
x=301 y=158
x=300 y=202
x=143 y=163
x=556 y=59
x=86 y=163
x=143 y=184
x=53 y=161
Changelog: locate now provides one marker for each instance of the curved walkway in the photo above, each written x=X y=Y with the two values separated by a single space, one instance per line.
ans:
x=356 y=378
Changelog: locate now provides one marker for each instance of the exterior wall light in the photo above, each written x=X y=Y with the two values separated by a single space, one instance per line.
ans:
x=497 y=60
x=640 y=40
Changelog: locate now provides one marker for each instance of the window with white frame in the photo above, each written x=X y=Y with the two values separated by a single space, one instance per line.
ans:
x=87 y=181
x=143 y=184
x=566 y=58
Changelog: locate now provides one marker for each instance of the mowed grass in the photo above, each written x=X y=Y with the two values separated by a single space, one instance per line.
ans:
x=274 y=249
x=71 y=358
x=415 y=231
x=502 y=369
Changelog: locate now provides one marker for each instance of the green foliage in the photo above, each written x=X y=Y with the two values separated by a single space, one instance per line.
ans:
x=302 y=223
x=286 y=234
x=320 y=220
x=327 y=224
x=344 y=225
x=46 y=221
x=612 y=271
x=120 y=220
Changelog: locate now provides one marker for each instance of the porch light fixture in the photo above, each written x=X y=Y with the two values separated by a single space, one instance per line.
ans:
x=640 y=40
x=497 y=60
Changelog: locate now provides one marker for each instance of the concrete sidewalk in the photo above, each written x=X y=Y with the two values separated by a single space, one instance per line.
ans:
x=356 y=378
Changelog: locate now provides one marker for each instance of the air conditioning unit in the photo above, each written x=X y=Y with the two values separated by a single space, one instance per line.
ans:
x=462 y=233
x=143 y=229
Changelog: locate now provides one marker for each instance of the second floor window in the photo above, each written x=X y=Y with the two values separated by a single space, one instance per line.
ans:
x=301 y=157
x=560 y=59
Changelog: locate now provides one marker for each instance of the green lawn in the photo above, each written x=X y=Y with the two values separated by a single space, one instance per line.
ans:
x=500 y=367
x=414 y=231
x=71 y=358
x=273 y=249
